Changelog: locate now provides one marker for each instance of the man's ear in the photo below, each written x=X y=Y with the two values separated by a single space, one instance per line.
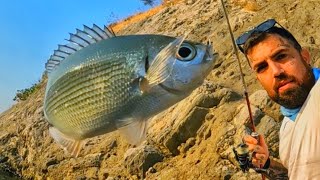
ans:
x=305 y=55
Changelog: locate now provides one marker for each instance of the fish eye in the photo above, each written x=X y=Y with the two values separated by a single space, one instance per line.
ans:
x=186 y=52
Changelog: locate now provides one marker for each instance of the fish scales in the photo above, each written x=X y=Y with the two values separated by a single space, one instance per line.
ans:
x=80 y=75
x=83 y=77
x=105 y=86
x=64 y=82
x=77 y=87
x=85 y=107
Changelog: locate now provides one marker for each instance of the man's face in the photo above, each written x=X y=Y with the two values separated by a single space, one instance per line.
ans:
x=282 y=70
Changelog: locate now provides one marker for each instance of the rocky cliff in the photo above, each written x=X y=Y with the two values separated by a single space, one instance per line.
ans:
x=191 y=140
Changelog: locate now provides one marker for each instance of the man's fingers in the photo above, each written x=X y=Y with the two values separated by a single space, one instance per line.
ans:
x=261 y=157
x=252 y=147
x=259 y=149
x=256 y=162
x=262 y=141
x=256 y=148
x=252 y=143
x=259 y=160
x=249 y=139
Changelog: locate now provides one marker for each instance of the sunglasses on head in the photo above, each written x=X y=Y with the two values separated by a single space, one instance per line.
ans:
x=263 y=27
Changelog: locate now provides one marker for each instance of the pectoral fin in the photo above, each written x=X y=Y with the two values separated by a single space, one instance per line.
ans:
x=67 y=143
x=161 y=67
x=134 y=131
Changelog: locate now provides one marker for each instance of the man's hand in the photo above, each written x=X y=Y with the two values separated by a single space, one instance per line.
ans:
x=260 y=150
x=261 y=155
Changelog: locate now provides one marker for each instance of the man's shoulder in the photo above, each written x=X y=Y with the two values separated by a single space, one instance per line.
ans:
x=285 y=125
x=316 y=88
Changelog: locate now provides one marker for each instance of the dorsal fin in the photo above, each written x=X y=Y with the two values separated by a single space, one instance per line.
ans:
x=77 y=41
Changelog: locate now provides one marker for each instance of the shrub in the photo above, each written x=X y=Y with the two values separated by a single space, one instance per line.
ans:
x=23 y=94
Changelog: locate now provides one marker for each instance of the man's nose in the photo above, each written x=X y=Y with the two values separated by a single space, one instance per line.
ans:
x=276 y=69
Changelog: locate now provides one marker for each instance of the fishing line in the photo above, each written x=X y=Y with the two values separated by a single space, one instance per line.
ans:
x=241 y=74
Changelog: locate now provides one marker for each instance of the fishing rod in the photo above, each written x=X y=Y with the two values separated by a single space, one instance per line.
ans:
x=242 y=158
x=240 y=68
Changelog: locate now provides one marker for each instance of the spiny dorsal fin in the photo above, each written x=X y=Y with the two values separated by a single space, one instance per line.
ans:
x=109 y=31
x=77 y=41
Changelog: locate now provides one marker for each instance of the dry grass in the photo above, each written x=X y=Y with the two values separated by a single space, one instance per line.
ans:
x=142 y=15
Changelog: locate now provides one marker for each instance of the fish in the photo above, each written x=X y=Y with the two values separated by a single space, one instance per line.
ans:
x=99 y=83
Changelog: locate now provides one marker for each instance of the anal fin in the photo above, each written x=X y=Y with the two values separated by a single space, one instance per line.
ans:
x=135 y=131
x=67 y=143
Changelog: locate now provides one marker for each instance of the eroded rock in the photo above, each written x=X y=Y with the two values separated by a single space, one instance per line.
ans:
x=138 y=160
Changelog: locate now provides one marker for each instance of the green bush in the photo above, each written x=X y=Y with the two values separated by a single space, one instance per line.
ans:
x=23 y=94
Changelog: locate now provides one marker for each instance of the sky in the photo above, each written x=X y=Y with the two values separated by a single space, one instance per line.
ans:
x=31 y=30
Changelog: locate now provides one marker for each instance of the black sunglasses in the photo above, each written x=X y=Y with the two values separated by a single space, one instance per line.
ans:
x=263 y=27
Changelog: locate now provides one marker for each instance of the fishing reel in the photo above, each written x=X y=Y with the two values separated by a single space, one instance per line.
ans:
x=244 y=156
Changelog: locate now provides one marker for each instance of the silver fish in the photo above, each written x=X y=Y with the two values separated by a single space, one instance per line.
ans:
x=99 y=83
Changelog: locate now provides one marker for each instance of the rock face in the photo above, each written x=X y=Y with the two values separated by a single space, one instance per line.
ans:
x=194 y=138
x=140 y=159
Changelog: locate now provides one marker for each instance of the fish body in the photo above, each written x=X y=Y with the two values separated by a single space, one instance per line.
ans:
x=119 y=83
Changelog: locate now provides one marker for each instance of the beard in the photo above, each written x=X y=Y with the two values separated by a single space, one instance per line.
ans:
x=294 y=97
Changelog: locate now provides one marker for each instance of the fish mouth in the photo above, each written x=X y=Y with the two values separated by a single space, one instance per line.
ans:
x=170 y=90
x=210 y=52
